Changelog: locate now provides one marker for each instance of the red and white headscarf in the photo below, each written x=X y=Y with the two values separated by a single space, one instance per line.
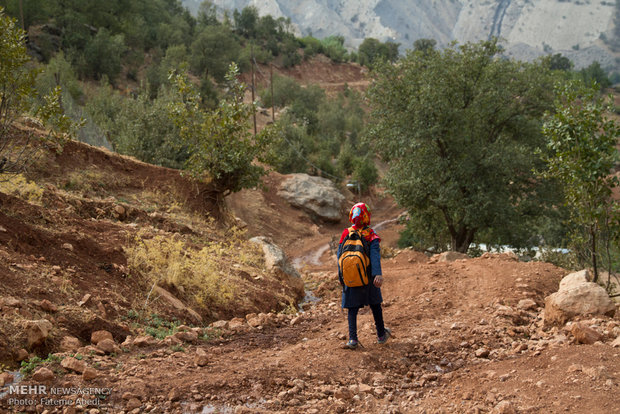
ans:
x=359 y=216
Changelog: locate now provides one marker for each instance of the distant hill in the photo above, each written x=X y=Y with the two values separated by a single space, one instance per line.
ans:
x=575 y=28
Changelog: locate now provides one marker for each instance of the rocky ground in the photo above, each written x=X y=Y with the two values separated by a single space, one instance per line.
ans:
x=469 y=334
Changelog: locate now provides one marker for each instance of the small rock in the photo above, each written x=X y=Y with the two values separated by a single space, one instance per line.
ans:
x=201 y=359
x=38 y=331
x=526 y=304
x=89 y=374
x=68 y=246
x=69 y=344
x=584 y=334
x=174 y=395
x=6 y=378
x=482 y=353
x=22 y=355
x=186 y=336
x=108 y=346
x=296 y=320
x=73 y=364
x=99 y=336
x=504 y=407
x=43 y=374
x=616 y=343
x=84 y=300
x=144 y=340
x=132 y=404
x=48 y=306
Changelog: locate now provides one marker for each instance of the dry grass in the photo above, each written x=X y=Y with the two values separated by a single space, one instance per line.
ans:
x=19 y=186
x=206 y=271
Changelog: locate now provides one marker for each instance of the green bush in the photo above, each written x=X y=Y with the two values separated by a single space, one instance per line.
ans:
x=138 y=126
x=333 y=47
x=213 y=50
x=18 y=97
x=365 y=172
x=102 y=55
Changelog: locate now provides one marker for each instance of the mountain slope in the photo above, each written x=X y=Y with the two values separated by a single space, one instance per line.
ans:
x=530 y=27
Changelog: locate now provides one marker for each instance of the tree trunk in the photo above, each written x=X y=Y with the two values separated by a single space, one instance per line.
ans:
x=594 y=262
x=462 y=239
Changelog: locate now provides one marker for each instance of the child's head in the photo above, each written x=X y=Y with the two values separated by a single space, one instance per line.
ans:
x=359 y=215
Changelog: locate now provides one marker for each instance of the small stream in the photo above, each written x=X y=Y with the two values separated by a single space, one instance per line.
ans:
x=17 y=378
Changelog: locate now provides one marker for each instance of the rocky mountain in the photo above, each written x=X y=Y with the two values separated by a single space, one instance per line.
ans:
x=575 y=28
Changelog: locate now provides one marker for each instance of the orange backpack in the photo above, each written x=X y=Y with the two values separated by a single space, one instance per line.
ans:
x=354 y=261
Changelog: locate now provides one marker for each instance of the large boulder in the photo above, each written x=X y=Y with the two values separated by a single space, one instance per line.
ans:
x=315 y=195
x=275 y=258
x=577 y=296
x=575 y=279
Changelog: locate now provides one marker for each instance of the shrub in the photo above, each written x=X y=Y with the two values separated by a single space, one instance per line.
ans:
x=285 y=91
x=19 y=186
x=18 y=96
x=365 y=172
x=311 y=46
x=102 y=55
x=333 y=47
x=168 y=260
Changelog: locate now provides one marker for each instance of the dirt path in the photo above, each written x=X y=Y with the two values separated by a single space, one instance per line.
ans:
x=461 y=344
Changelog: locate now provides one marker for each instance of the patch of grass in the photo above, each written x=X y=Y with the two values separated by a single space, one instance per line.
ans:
x=177 y=348
x=30 y=365
x=211 y=334
x=159 y=327
x=89 y=180
x=19 y=186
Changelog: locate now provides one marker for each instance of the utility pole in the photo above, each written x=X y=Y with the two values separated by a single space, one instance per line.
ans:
x=273 y=110
x=253 y=106
x=21 y=13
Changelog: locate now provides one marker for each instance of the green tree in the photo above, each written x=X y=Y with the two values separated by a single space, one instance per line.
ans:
x=595 y=74
x=213 y=50
x=458 y=128
x=207 y=14
x=582 y=139
x=18 y=96
x=424 y=45
x=103 y=55
x=372 y=49
x=221 y=149
x=246 y=21
x=333 y=48
x=559 y=62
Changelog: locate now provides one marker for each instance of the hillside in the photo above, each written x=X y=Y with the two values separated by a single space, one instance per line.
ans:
x=465 y=339
x=531 y=28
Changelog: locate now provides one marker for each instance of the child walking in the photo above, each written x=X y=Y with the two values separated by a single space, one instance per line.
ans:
x=354 y=298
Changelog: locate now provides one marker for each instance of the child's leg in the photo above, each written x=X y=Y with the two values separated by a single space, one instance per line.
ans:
x=377 y=313
x=352 y=316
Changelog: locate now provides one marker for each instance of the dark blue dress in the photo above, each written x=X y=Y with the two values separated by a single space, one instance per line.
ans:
x=355 y=297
